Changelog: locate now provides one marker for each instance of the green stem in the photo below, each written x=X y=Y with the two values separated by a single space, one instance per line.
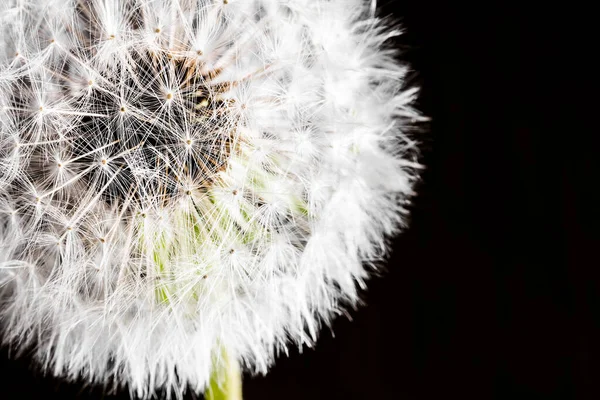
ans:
x=225 y=382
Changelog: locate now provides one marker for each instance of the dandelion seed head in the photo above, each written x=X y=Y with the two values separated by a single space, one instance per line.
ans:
x=180 y=176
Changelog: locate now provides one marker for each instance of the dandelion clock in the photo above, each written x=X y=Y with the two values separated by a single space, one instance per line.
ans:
x=188 y=187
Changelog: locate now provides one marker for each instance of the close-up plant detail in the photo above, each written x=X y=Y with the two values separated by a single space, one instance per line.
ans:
x=188 y=187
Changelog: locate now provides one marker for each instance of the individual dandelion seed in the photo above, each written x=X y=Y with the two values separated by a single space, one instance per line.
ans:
x=187 y=187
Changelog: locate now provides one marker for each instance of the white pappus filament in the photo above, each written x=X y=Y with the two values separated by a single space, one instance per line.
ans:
x=180 y=176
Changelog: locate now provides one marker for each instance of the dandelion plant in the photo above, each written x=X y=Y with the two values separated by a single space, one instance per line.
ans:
x=188 y=187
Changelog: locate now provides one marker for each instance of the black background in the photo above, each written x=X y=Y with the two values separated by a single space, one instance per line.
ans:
x=492 y=293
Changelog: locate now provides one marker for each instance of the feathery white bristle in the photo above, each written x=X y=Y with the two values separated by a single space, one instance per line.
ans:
x=180 y=176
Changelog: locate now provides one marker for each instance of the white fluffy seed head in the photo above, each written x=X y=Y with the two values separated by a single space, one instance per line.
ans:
x=180 y=176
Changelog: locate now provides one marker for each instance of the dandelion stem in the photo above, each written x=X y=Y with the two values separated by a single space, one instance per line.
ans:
x=225 y=382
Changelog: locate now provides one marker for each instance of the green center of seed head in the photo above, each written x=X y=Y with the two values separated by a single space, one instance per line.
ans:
x=226 y=376
x=209 y=223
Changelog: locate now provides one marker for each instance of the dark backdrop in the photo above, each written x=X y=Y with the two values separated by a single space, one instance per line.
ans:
x=492 y=291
